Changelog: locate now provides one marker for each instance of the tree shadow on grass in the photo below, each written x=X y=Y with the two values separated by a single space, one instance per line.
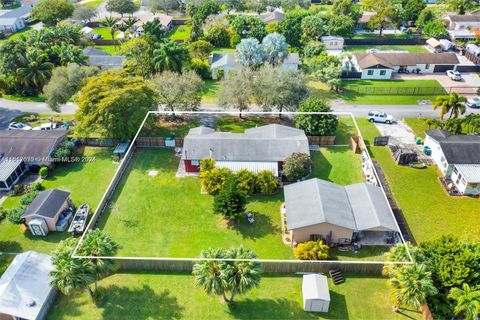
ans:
x=144 y=303
x=345 y=130
x=321 y=166
x=10 y=246
x=284 y=308
x=262 y=226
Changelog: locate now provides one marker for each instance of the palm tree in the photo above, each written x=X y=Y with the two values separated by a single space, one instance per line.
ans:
x=411 y=285
x=467 y=301
x=452 y=103
x=67 y=53
x=399 y=253
x=111 y=22
x=129 y=23
x=211 y=274
x=242 y=275
x=99 y=244
x=170 y=55
x=70 y=274
x=34 y=70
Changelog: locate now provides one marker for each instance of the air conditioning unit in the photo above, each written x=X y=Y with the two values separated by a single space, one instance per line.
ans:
x=38 y=227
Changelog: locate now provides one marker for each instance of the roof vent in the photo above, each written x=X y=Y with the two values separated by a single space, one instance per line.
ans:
x=30 y=303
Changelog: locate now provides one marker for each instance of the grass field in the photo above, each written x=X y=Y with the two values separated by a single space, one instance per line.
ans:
x=86 y=181
x=43 y=118
x=173 y=295
x=427 y=208
x=181 y=32
x=224 y=50
x=15 y=97
x=210 y=91
x=419 y=126
x=17 y=34
x=236 y=125
x=364 y=48
x=111 y=50
x=93 y=3
x=104 y=32
x=151 y=205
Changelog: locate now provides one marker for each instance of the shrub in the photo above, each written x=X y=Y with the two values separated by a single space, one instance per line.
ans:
x=201 y=68
x=213 y=180
x=246 y=181
x=15 y=215
x=267 y=183
x=297 y=166
x=218 y=36
x=234 y=40
x=312 y=250
x=230 y=201
x=316 y=125
x=18 y=189
x=3 y=213
x=313 y=49
x=43 y=172
x=207 y=164
x=36 y=186
x=26 y=199
x=64 y=150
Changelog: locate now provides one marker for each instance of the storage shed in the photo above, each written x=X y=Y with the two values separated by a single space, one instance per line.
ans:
x=316 y=295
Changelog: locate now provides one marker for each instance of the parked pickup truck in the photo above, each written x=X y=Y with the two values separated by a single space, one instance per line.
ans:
x=377 y=116
x=473 y=102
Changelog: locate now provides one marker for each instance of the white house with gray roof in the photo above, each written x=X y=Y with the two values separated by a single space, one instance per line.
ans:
x=457 y=157
x=257 y=149
x=319 y=209
x=14 y=20
x=102 y=60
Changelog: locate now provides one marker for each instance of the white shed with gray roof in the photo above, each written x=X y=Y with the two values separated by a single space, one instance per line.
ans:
x=333 y=212
x=25 y=291
x=316 y=295
x=261 y=148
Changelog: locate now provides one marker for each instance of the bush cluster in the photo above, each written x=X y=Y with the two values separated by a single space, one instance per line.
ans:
x=312 y=250
x=64 y=150
x=15 y=215
x=297 y=166
x=27 y=198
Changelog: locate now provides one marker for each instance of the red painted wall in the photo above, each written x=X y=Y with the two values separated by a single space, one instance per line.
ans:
x=189 y=167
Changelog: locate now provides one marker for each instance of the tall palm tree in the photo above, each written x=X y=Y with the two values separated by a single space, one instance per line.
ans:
x=129 y=23
x=453 y=103
x=35 y=69
x=211 y=274
x=399 y=253
x=99 y=244
x=411 y=285
x=111 y=22
x=170 y=55
x=242 y=275
x=70 y=274
x=467 y=301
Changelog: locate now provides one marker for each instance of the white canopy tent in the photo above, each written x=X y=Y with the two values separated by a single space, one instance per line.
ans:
x=316 y=295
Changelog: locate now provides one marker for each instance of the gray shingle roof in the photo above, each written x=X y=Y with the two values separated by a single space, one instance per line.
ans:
x=389 y=59
x=357 y=207
x=457 y=149
x=105 y=61
x=267 y=143
x=29 y=143
x=91 y=51
x=47 y=203
x=22 y=11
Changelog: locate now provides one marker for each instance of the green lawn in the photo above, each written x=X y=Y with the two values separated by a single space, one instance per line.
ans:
x=324 y=8
x=111 y=50
x=173 y=295
x=17 y=34
x=210 y=91
x=15 y=97
x=224 y=50
x=364 y=48
x=237 y=125
x=104 y=32
x=419 y=126
x=93 y=3
x=428 y=210
x=177 y=220
x=35 y=119
x=86 y=181
x=160 y=127
x=181 y=32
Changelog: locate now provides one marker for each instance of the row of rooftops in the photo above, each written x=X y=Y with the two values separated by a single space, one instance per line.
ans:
x=392 y=59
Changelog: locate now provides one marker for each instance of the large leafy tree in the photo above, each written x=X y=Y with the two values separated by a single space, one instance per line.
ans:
x=453 y=104
x=200 y=49
x=51 y=12
x=347 y=8
x=425 y=17
x=163 y=5
x=275 y=47
x=297 y=166
x=70 y=275
x=34 y=69
x=178 y=91
x=461 y=6
x=316 y=125
x=84 y=13
x=138 y=54
x=249 y=27
x=250 y=53
x=411 y=285
x=343 y=26
x=328 y=69
x=114 y=105
x=291 y=26
x=170 y=56
x=467 y=301
x=236 y=90
x=313 y=27
x=121 y=6
x=413 y=8
x=63 y=54
x=435 y=29
x=388 y=12
x=65 y=82
x=95 y=244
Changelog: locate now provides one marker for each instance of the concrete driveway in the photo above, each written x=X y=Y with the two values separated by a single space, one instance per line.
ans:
x=399 y=132
x=467 y=86
x=6 y=115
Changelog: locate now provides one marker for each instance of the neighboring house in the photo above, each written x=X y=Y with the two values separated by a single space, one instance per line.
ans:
x=11 y=170
x=257 y=149
x=382 y=65
x=434 y=45
x=364 y=19
x=319 y=209
x=462 y=34
x=273 y=16
x=332 y=42
x=34 y=147
x=165 y=20
x=461 y=22
x=223 y=63
x=103 y=60
x=457 y=157
x=25 y=290
x=47 y=206
x=16 y=19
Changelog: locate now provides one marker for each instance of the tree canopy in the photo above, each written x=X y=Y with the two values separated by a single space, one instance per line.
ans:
x=51 y=12
x=316 y=125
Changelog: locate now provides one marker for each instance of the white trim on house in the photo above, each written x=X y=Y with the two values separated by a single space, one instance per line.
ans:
x=252 y=166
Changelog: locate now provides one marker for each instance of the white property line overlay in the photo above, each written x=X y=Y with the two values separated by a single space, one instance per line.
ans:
x=237 y=113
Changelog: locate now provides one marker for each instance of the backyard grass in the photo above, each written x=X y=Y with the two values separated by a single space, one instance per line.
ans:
x=17 y=34
x=160 y=127
x=428 y=210
x=86 y=181
x=419 y=126
x=210 y=91
x=15 y=97
x=173 y=295
x=104 y=32
x=42 y=118
x=364 y=48
x=236 y=125
x=181 y=32
x=111 y=50
x=176 y=220
x=224 y=50
x=93 y=3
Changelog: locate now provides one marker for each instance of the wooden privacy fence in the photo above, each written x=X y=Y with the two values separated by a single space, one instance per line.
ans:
x=357 y=145
x=98 y=142
x=281 y=266
x=385 y=41
x=155 y=142
x=321 y=140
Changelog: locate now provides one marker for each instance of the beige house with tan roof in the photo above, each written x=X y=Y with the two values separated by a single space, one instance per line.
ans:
x=382 y=65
